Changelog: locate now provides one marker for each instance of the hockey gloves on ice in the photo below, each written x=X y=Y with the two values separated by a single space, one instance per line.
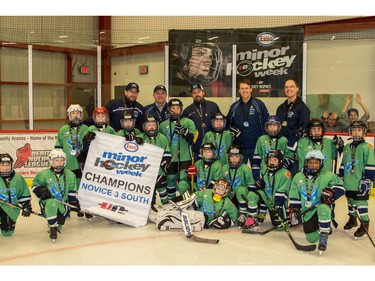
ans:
x=26 y=209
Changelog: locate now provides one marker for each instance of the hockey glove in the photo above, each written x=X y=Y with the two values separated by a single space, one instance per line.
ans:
x=222 y=222
x=26 y=209
x=339 y=143
x=301 y=133
x=294 y=216
x=165 y=163
x=235 y=132
x=277 y=216
x=260 y=184
x=139 y=140
x=192 y=172
x=181 y=130
x=129 y=137
x=74 y=201
x=364 y=190
x=90 y=136
x=327 y=196
x=42 y=192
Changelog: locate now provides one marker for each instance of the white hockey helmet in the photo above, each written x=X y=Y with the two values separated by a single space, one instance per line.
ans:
x=75 y=108
x=57 y=153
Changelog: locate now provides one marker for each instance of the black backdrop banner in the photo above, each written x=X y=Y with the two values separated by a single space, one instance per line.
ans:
x=270 y=57
x=200 y=56
x=267 y=57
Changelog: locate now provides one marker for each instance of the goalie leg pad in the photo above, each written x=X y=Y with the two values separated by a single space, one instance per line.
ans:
x=155 y=209
x=171 y=220
x=185 y=200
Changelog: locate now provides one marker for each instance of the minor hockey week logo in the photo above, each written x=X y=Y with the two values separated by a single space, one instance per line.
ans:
x=265 y=62
x=131 y=165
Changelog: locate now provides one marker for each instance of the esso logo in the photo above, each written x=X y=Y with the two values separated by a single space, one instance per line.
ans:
x=244 y=68
x=131 y=147
x=266 y=39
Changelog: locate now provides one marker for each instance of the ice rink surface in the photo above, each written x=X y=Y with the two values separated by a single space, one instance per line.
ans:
x=124 y=249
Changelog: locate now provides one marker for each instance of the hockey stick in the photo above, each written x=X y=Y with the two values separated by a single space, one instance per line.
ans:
x=359 y=218
x=19 y=207
x=250 y=231
x=188 y=230
x=306 y=248
x=71 y=206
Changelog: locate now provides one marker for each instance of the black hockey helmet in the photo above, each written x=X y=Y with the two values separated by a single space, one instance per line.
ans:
x=273 y=120
x=234 y=150
x=211 y=147
x=126 y=116
x=149 y=118
x=315 y=122
x=218 y=116
x=6 y=158
x=275 y=153
x=361 y=125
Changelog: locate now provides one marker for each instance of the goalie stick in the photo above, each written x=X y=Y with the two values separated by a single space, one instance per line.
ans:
x=299 y=247
x=250 y=231
x=188 y=230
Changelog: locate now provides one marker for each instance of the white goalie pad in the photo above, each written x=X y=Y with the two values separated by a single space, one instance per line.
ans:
x=183 y=201
x=171 y=220
x=155 y=209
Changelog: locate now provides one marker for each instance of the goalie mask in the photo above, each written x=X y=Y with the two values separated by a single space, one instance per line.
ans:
x=6 y=165
x=128 y=121
x=150 y=125
x=100 y=116
x=275 y=160
x=314 y=162
x=218 y=122
x=57 y=158
x=358 y=131
x=221 y=189
x=273 y=126
x=208 y=152
x=234 y=156
x=200 y=63
x=75 y=114
x=316 y=129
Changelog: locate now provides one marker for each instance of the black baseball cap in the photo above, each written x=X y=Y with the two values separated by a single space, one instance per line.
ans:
x=160 y=87
x=132 y=85
x=196 y=86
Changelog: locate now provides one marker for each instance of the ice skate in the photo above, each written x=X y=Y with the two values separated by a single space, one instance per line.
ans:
x=323 y=240
x=352 y=222
x=360 y=233
x=53 y=233
x=89 y=216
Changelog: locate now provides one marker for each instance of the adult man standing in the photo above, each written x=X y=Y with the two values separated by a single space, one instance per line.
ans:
x=128 y=102
x=158 y=109
x=293 y=112
x=201 y=111
x=245 y=120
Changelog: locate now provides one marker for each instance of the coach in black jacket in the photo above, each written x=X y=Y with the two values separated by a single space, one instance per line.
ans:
x=201 y=112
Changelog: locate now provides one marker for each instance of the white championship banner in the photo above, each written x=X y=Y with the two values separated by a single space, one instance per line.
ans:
x=119 y=179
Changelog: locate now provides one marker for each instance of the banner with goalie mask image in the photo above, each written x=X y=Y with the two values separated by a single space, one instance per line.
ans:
x=119 y=178
x=269 y=57
x=200 y=56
